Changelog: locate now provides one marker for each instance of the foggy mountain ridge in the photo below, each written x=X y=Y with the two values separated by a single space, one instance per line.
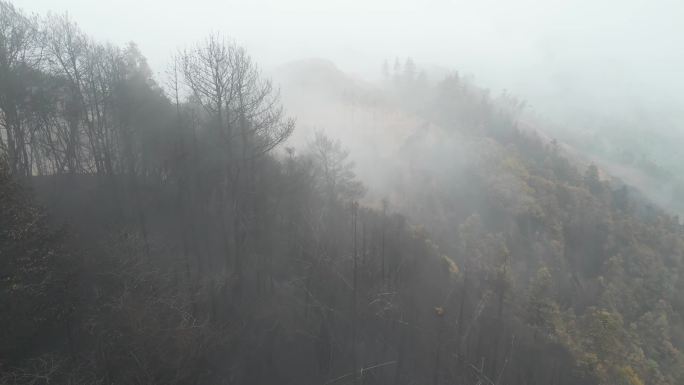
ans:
x=394 y=147
x=372 y=124
x=367 y=121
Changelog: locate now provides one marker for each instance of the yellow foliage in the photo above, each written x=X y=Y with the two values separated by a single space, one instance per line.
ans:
x=453 y=267
x=629 y=376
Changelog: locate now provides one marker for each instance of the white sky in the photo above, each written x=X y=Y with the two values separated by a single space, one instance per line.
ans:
x=615 y=55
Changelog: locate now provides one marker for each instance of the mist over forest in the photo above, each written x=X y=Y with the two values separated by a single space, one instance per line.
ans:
x=304 y=193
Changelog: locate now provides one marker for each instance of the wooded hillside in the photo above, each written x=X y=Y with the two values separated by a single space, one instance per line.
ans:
x=164 y=234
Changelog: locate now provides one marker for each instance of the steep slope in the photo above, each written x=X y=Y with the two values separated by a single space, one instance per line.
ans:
x=641 y=149
x=566 y=256
x=371 y=122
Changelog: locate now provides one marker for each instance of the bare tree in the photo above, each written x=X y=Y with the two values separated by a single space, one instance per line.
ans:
x=244 y=116
x=19 y=56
